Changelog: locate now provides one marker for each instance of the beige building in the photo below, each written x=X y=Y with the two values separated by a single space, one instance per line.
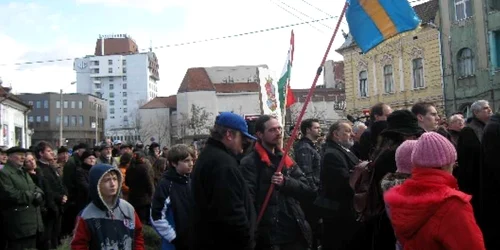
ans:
x=400 y=72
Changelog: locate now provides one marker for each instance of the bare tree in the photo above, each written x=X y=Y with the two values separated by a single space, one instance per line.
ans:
x=312 y=112
x=195 y=123
x=134 y=124
x=156 y=125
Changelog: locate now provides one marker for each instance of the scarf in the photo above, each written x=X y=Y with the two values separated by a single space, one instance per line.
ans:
x=264 y=157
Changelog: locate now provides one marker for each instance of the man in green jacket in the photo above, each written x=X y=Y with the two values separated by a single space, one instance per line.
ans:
x=20 y=201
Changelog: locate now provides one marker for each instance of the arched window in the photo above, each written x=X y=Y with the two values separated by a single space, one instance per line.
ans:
x=465 y=60
x=363 y=83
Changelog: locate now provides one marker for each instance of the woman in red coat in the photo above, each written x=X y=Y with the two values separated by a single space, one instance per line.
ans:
x=427 y=211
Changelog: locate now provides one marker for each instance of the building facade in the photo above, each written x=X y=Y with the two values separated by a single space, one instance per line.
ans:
x=122 y=76
x=399 y=72
x=14 y=120
x=470 y=37
x=79 y=117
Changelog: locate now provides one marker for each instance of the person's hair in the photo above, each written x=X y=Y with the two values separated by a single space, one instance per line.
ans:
x=421 y=108
x=377 y=109
x=386 y=143
x=477 y=106
x=357 y=125
x=307 y=124
x=455 y=118
x=178 y=153
x=219 y=132
x=335 y=127
x=126 y=158
x=41 y=147
x=260 y=123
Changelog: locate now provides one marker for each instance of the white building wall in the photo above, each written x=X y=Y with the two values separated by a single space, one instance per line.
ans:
x=233 y=74
x=135 y=81
x=155 y=123
x=328 y=74
x=185 y=101
x=12 y=117
x=322 y=110
x=239 y=103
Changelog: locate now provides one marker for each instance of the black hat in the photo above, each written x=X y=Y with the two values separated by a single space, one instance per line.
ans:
x=80 y=145
x=62 y=149
x=402 y=122
x=126 y=145
x=14 y=150
x=86 y=154
x=154 y=145
x=104 y=145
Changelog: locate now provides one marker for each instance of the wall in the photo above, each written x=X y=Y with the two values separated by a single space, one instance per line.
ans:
x=399 y=53
x=240 y=103
x=185 y=101
x=321 y=110
x=236 y=74
x=13 y=117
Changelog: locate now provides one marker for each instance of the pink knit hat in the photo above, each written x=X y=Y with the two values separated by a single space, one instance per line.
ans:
x=403 y=156
x=433 y=151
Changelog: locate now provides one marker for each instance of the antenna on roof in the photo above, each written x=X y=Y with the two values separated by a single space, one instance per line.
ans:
x=150 y=45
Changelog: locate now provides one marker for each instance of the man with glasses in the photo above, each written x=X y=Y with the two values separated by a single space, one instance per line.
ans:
x=224 y=215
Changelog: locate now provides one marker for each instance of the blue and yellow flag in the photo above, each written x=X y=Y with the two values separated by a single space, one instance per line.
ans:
x=374 y=21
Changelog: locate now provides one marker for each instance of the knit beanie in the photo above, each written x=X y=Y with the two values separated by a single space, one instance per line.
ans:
x=403 y=156
x=433 y=151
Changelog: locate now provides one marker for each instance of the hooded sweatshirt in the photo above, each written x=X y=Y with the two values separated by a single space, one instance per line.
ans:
x=102 y=227
x=428 y=212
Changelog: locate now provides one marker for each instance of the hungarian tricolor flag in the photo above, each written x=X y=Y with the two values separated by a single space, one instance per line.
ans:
x=285 y=91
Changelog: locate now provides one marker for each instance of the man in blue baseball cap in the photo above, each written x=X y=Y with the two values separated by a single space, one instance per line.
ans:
x=224 y=215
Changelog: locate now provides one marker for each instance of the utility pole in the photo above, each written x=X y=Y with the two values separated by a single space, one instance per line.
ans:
x=61 y=120
x=96 y=123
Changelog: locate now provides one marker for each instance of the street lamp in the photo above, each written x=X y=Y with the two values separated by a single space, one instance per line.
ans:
x=61 y=117
x=96 y=122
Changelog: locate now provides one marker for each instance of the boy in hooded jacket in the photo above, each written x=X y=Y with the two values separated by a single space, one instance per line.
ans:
x=172 y=201
x=108 y=222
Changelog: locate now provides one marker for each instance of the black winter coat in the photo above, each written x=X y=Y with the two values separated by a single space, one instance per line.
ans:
x=139 y=179
x=223 y=216
x=55 y=183
x=283 y=219
x=82 y=186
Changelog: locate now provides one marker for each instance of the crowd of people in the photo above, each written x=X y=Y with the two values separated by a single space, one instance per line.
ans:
x=401 y=180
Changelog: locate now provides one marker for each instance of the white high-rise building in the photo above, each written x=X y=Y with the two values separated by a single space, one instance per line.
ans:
x=124 y=77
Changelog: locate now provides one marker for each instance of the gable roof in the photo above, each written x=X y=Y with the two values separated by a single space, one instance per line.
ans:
x=426 y=11
x=196 y=79
x=5 y=94
x=161 y=102
x=237 y=87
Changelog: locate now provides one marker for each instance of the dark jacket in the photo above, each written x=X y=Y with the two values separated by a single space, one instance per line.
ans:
x=55 y=183
x=21 y=213
x=224 y=216
x=139 y=180
x=48 y=206
x=171 y=209
x=308 y=159
x=82 y=186
x=69 y=177
x=283 y=219
x=490 y=178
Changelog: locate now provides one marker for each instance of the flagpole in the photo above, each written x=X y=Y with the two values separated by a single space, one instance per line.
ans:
x=289 y=143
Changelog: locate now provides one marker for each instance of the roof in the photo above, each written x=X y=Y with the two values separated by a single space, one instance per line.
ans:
x=426 y=11
x=161 y=102
x=5 y=94
x=196 y=79
x=236 y=87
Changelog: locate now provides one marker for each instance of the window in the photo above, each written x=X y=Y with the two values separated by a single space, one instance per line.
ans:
x=494 y=5
x=94 y=71
x=388 y=79
x=110 y=62
x=97 y=86
x=124 y=62
x=111 y=86
x=111 y=79
x=124 y=78
x=66 y=121
x=463 y=9
x=363 y=88
x=58 y=119
x=125 y=102
x=111 y=102
x=46 y=104
x=124 y=86
x=125 y=110
x=80 y=104
x=124 y=94
x=65 y=104
x=38 y=118
x=112 y=110
x=30 y=119
x=124 y=70
x=111 y=94
x=110 y=70
x=80 y=121
x=58 y=104
x=418 y=73
x=466 y=65
x=38 y=104
x=495 y=46
x=73 y=121
x=73 y=104
x=45 y=118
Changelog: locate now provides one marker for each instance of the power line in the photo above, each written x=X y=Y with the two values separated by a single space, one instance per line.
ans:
x=318 y=9
x=183 y=43
x=302 y=13
x=291 y=13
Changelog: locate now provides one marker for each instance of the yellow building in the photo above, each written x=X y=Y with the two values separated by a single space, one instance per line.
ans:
x=400 y=72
